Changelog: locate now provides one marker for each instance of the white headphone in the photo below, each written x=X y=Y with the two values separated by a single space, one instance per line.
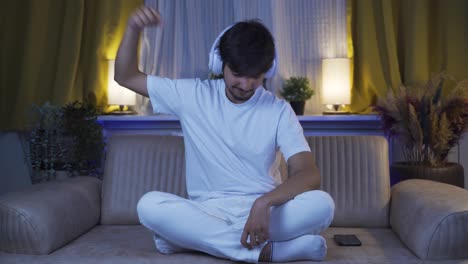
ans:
x=215 y=63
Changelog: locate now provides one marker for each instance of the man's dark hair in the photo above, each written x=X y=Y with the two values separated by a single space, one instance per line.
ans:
x=247 y=48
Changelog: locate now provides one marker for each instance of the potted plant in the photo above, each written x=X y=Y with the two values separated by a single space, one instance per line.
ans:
x=65 y=141
x=80 y=125
x=297 y=90
x=46 y=148
x=427 y=125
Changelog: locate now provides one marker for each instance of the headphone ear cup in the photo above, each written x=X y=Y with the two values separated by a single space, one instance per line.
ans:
x=272 y=71
x=216 y=66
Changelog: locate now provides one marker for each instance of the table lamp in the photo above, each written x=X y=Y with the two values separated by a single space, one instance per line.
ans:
x=336 y=84
x=119 y=95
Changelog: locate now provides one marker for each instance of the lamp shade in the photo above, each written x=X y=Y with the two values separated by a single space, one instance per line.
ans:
x=116 y=94
x=336 y=81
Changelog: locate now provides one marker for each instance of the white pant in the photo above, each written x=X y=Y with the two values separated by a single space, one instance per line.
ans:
x=215 y=226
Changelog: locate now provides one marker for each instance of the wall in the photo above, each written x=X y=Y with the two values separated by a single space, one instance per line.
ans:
x=463 y=156
x=14 y=172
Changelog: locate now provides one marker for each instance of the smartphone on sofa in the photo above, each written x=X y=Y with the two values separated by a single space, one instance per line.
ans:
x=347 y=240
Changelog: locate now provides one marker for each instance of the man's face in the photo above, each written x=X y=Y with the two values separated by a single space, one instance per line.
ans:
x=239 y=89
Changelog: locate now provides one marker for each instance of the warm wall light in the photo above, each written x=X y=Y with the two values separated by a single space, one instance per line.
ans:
x=118 y=95
x=336 y=84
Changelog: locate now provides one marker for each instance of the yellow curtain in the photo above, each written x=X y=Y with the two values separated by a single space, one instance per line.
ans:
x=400 y=41
x=56 y=51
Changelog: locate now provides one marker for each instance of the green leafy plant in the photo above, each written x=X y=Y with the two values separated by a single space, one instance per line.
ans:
x=46 y=148
x=79 y=123
x=67 y=139
x=426 y=123
x=296 y=89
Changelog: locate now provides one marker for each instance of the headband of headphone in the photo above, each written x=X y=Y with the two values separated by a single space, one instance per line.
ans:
x=216 y=64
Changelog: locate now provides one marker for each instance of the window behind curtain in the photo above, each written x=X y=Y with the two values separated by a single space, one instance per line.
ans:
x=305 y=32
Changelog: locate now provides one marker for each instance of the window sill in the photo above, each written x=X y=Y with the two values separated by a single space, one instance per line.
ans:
x=312 y=124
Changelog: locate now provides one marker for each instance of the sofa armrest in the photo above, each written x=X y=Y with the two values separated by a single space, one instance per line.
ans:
x=431 y=218
x=44 y=217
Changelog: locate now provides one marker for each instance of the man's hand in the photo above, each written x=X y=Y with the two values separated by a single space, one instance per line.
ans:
x=143 y=17
x=303 y=176
x=257 y=226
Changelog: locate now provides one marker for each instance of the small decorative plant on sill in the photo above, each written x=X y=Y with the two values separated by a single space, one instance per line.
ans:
x=427 y=125
x=65 y=141
x=213 y=76
x=297 y=90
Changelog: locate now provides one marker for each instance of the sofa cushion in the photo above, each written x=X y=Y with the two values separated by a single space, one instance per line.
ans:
x=355 y=172
x=135 y=165
x=431 y=218
x=46 y=216
x=134 y=244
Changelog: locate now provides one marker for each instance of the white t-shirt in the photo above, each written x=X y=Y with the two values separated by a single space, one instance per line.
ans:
x=229 y=148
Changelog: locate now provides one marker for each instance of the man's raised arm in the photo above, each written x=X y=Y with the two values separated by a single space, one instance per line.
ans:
x=127 y=73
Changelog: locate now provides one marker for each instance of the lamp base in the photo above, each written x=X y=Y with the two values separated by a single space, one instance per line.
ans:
x=334 y=110
x=121 y=111
x=118 y=112
x=336 y=113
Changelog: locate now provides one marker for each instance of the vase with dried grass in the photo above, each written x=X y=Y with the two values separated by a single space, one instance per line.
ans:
x=427 y=122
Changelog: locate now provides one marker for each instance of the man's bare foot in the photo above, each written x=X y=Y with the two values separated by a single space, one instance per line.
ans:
x=265 y=254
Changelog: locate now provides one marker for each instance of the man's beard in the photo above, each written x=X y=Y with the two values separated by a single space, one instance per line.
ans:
x=243 y=96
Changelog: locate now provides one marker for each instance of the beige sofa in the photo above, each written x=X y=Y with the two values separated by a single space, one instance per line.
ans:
x=84 y=220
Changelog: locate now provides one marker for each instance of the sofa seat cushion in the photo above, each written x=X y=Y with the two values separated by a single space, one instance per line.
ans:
x=379 y=245
x=111 y=244
x=134 y=244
